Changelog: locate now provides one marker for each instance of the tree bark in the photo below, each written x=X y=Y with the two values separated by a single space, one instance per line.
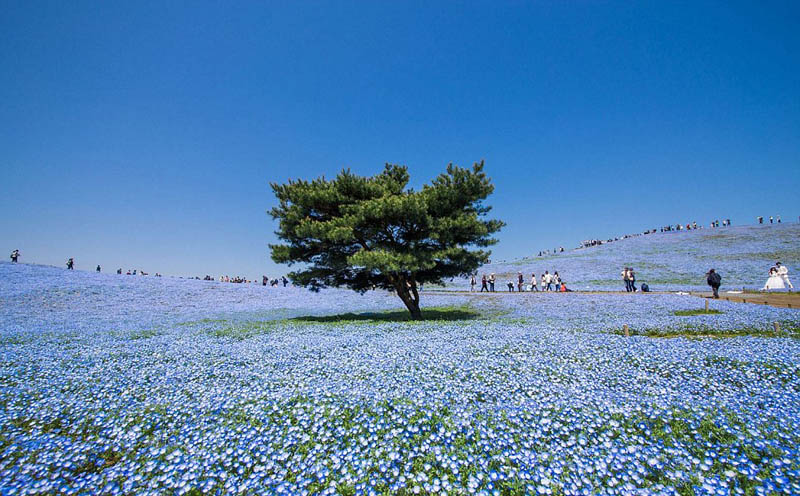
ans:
x=411 y=302
x=413 y=308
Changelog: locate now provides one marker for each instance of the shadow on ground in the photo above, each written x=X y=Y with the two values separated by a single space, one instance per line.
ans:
x=428 y=314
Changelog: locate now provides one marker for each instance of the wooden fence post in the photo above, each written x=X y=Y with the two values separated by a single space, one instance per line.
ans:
x=706 y=305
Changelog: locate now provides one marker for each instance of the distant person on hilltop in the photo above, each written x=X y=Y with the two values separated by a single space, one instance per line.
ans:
x=760 y=219
x=119 y=271
x=98 y=268
x=714 y=280
x=284 y=280
x=264 y=280
x=70 y=264
x=15 y=256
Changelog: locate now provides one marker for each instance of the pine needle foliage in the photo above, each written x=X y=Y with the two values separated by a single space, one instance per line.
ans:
x=374 y=232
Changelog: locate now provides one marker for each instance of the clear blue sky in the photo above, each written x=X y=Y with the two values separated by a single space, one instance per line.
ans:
x=144 y=135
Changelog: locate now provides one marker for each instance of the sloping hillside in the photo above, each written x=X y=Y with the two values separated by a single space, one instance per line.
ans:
x=671 y=261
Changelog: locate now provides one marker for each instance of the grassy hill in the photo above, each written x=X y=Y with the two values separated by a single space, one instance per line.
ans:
x=671 y=261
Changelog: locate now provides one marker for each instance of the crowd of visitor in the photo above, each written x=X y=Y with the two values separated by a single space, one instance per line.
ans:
x=772 y=220
x=265 y=281
x=549 y=282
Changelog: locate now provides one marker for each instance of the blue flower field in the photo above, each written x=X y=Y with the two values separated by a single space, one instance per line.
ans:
x=676 y=260
x=139 y=385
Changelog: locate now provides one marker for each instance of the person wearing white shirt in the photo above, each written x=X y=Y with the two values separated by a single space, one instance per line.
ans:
x=534 y=287
x=547 y=281
x=783 y=273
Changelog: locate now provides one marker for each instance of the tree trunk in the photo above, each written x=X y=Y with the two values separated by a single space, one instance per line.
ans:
x=413 y=308
x=411 y=302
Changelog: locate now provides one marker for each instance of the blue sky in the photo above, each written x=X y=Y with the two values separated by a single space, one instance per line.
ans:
x=144 y=135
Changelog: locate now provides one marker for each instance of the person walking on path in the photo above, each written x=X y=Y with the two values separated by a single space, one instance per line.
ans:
x=472 y=283
x=557 y=281
x=520 y=282
x=625 y=279
x=534 y=287
x=783 y=273
x=491 y=282
x=15 y=256
x=547 y=281
x=714 y=280
x=484 y=283
x=70 y=264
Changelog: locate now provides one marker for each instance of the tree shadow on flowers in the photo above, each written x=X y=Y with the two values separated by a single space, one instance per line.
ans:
x=428 y=314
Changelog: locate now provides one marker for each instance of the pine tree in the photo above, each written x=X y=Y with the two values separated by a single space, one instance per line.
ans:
x=372 y=232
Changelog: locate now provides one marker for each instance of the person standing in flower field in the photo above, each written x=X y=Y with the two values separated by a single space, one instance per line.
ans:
x=472 y=283
x=70 y=264
x=491 y=282
x=15 y=256
x=632 y=278
x=783 y=273
x=484 y=283
x=520 y=282
x=714 y=280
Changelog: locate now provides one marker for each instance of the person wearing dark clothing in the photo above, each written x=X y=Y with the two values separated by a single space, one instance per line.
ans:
x=70 y=264
x=264 y=280
x=284 y=280
x=484 y=283
x=510 y=285
x=14 y=256
x=519 y=282
x=98 y=268
x=714 y=280
x=119 y=271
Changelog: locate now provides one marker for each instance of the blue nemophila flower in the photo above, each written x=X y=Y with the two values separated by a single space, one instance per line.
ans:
x=130 y=385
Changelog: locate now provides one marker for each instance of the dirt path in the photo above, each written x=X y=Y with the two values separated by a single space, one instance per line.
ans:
x=779 y=300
